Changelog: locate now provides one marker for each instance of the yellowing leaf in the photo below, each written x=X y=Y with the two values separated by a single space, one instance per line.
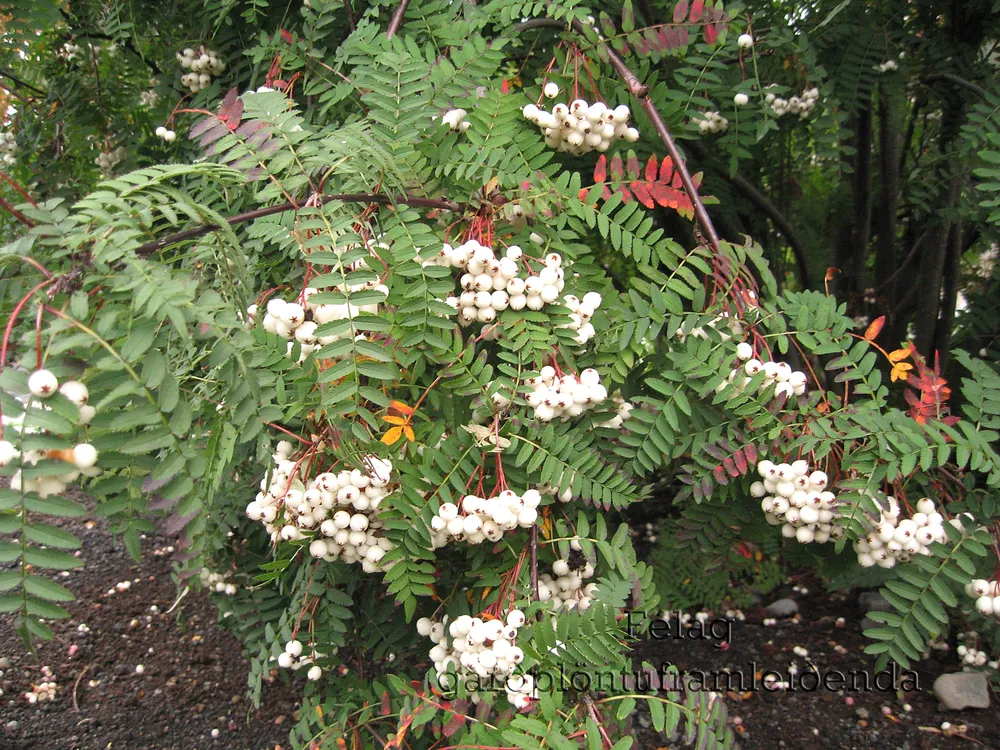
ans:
x=395 y=420
x=392 y=435
x=899 y=355
x=408 y=431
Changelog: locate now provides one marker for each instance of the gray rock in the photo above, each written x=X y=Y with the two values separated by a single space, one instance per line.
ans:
x=4 y=662
x=963 y=690
x=873 y=601
x=782 y=608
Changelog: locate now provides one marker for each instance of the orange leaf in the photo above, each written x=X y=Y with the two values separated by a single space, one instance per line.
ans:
x=899 y=355
x=875 y=328
x=400 y=407
x=897 y=373
x=395 y=420
x=392 y=435
x=408 y=431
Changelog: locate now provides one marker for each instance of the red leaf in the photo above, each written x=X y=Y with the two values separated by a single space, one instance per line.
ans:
x=696 y=8
x=680 y=11
x=720 y=475
x=606 y=193
x=741 y=461
x=651 y=169
x=711 y=34
x=661 y=194
x=456 y=722
x=875 y=328
x=641 y=190
x=626 y=194
x=386 y=703
x=751 y=453
x=601 y=169
x=730 y=466
x=632 y=166
x=666 y=170
x=616 y=167
x=505 y=86
x=286 y=37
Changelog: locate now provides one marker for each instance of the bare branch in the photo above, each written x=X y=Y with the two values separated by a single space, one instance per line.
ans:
x=397 y=19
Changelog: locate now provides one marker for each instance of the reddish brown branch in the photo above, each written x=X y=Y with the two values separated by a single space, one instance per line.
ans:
x=17 y=186
x=155 y=245
x=533 y=561
x=16 y=214
x=397 y=19
x=640 y=91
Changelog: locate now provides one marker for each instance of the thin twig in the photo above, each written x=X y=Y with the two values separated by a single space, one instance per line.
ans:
x=640 y=91
x=592 y=710
x=76 y=685
x=397 y=19
x=533 y=561
x=19 y=82
x=155 y=245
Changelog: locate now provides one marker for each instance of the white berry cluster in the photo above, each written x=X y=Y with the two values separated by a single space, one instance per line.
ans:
x=483 y=647
x=342 y=507
x=217 y=582
x=987 y=596
x=563 y=497
x=890 y=539
x=484 y=518
x=299 y=318
x=291 y=658
x=797 y=499
x=886 y=66
x=83 y=457
x=581 y=311
x=972 y=657
x=712 y=122
x=149 y=98
x=108 y=160
x=564 y=396
x=455 y=119
x=796 y=105
x=44 y=692
x=579 y=127
x=491 y=285
x=8 y=147
x=203 y=63
x=786 y=381
x=166 y=134
x=566 y=587
x=622 y=410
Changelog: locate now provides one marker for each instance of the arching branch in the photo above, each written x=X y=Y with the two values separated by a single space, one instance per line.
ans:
x=189 y=234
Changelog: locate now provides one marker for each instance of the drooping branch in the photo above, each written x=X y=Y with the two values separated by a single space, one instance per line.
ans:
x=397 y=19
x=189 y=234
x=640 y=92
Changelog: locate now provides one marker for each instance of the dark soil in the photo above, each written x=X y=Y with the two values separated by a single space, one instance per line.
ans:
x=821 y=718
x=194 y=679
